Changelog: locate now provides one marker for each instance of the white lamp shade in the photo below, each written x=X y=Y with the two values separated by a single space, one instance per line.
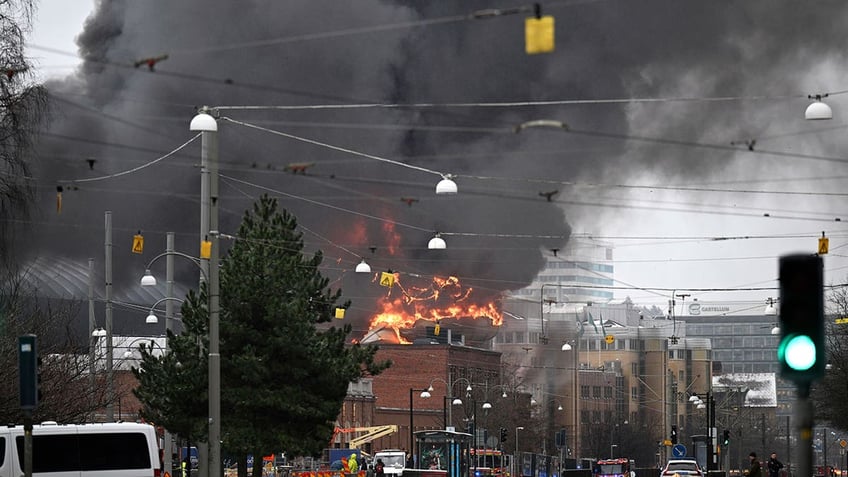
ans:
x=363 y=267
x=446 y=187
x=203 y=122
x=457 y=402
x=775 y=330
x=127 y=354
x=566 y=347
x=818 y=110
x=503 y=395
x=770 y=310
x=425 y=394
x=694 y=398
x=148 y=280
x=487 y=405
x=559 y=408
x=98 y=332
x=701 y=406
x=151 y=319
x=437 y=243
x=468 y=389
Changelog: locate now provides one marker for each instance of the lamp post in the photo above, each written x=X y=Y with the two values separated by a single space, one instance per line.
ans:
x=575 y=350
x=517 y=428
x=411 y=420
x=447 y=413
x=149 y=280
x=709 y=405
x=612 y=450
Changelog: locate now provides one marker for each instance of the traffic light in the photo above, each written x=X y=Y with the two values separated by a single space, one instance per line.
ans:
x=726 y=437
x=28 y=371
x=801 y=351
x=674 y=434
x=503 y=434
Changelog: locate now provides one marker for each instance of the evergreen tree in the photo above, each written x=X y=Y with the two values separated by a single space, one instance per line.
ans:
x=284 y=370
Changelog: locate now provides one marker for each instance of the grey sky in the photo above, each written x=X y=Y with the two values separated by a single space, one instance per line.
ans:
x=605 y=50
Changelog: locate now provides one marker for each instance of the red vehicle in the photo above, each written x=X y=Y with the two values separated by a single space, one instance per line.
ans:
x=622 y=467
x=490 y=463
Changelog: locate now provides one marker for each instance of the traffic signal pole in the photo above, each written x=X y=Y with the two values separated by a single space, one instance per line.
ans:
x=802 y=350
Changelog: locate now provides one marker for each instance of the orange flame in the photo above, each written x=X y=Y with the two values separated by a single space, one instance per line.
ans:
x=443 y=298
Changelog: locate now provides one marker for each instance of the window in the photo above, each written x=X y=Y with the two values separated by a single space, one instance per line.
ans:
x=519 y=337
x=634 y=393
x=584 y=392
x=596 y=417
x=87 y=452
x=634 y=368
x=607 y=392
x=584 y=417
x=596 y=392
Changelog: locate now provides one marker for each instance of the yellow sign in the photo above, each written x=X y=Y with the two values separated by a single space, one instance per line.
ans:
x=340 y=312
x=138 y=243
x=438 y=329
x=609 y=339
x=667 y=442
x=539 y=35
x=841 y=321
x=823 y=245
x=387 y=279
x=205 y=249
x=843 y=443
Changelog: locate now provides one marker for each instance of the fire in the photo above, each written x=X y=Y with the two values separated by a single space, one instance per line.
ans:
x=442 y=298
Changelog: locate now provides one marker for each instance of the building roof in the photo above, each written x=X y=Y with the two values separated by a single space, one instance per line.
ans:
x=761 y=387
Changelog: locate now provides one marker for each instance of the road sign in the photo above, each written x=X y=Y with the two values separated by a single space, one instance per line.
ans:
x=138 y=243
x=667 y=442
x=823 y=245
x=609 y=339
x=843 y=443
x=679 y=450
x=387 y=279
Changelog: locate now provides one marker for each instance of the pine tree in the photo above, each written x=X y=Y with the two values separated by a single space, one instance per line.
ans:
x=284 y=370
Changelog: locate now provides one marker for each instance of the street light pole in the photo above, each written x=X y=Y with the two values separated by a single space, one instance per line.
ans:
x=208 y=128
x=411 y=420
x=517 y=428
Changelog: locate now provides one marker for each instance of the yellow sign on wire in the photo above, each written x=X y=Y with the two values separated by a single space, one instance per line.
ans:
x=340 y=312
x=138 y=243
x=539 y=35
x=387 y=279
x=824 y=243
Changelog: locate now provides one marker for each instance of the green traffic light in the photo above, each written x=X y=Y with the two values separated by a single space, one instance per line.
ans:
x=798 y=352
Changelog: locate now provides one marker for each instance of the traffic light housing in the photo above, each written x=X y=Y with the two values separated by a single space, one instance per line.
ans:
x=503 y=434
x=801 y=350
x=674 y=434
x=726 y=440
x=28 y=372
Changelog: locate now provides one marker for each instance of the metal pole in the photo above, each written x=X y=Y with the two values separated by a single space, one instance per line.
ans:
x=206 y=124
x=91 y=322
x=110 y=373
x=789 y=450
x=411 y=423
x=804 y=423
x=167 y=458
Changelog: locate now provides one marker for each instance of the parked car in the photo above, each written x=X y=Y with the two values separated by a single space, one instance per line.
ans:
x=682 y=468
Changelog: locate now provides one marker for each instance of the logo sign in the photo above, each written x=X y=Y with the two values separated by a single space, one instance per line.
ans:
x=609 y=339
x=138 y=243
x=679 y=450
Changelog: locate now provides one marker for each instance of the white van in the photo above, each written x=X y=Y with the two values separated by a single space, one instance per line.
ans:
x=82 y=450
x=394 y=461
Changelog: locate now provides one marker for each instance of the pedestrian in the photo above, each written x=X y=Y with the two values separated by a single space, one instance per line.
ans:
x=755 y=470
x=410 y=463
x=378 y=469
x=369 y=470
x=774 y=465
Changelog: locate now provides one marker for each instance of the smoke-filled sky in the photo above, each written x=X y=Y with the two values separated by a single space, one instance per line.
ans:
x=656 y=179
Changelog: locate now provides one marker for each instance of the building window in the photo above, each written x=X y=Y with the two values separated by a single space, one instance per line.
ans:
x=584 y=392
x=596 y=392
x=596 y=417
x=519 y=337
x=584 y=417
x=634 y=368
x=634 y=393
x=608 y=392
